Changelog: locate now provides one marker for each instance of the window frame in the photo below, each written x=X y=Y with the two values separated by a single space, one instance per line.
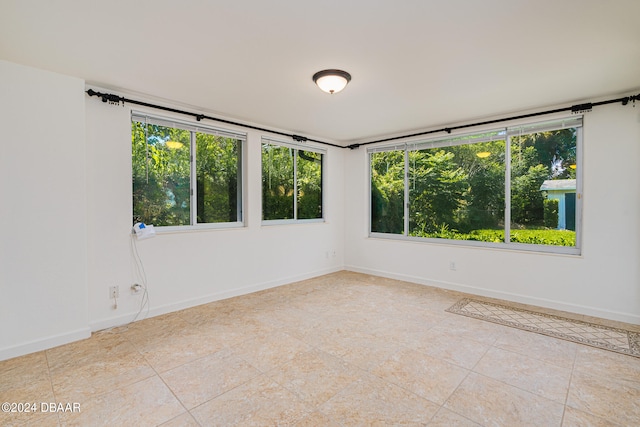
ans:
x=296 y=147
x=575 y=121
x=193 y=128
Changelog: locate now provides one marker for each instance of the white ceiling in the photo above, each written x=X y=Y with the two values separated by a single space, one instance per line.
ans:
x=415 y=63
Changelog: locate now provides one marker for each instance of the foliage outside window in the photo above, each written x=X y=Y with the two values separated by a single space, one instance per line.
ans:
x=173 y=187
x=504 y=187
x=291 y=183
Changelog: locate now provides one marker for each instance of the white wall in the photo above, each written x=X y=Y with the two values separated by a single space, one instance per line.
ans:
x=65 y=222
x=189 y=268
x=604 y=281
x=43 y=210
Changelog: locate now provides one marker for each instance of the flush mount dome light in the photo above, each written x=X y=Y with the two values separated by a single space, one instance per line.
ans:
x=331 y=81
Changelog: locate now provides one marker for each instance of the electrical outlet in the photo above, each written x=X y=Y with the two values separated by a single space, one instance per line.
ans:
x=114 y=292
x=452 y=265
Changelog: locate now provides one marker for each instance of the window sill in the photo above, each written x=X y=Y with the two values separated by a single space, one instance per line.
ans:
x=472 y=244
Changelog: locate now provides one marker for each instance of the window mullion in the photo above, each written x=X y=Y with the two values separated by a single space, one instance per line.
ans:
x=240 y=185
x=507 y=190
x=406 y=192
x=295 y=184
x=579 y=188
x=193 y=180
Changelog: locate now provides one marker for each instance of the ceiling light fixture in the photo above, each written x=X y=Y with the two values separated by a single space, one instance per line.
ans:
x=331 y=81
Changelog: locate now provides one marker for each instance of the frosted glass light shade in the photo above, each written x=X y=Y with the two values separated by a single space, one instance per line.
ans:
x=331 y=81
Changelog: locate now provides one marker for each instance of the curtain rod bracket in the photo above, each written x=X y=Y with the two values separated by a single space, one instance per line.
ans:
x=581 y=108
x=107 y=97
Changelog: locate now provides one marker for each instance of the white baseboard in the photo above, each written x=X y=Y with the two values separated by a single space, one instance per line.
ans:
x=181 y=305
x=44 y=343
x=507 y=296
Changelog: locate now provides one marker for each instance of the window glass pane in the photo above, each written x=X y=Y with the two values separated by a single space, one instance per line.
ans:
x=217 y=172
x=161 y=171
x=387 y=192
x=277 y=182
x=309 y=183
x=543 y=188
x=458 y=192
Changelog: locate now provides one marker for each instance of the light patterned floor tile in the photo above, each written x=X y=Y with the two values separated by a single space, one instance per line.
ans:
x=547 y=349
x=372 y=401
x=184 y=420
x=575 y=418
x=317 y=419
x=269 y=351
x=611 y=399
x=494 y=403
x=447 y=418
x=608 y=364
x=259 y=402
x=472 y=329
x=148 y=402
x=25 y=379
x=98 y=371
x=181 y=346
x=35 y=417
x=315 y=376
x=203 y=379
x=544 y=379
x=439 y=343
x=104 y=344
x=364 y=352
x=426 y=376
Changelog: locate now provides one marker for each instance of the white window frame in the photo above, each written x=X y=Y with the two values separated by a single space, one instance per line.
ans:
x=295 y=220
x=193 y=128
x=507 y=132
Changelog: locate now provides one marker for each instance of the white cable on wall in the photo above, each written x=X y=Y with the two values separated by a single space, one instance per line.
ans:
x=142 y=275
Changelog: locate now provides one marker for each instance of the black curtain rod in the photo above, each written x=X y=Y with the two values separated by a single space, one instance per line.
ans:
x=115 y=99
x=578 y=108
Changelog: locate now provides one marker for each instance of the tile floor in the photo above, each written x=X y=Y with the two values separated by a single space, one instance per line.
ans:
x=344 y=349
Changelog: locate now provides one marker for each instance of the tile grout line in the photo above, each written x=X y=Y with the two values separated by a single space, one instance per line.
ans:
x=566 y=399
x=53 y=392
x=470 y=370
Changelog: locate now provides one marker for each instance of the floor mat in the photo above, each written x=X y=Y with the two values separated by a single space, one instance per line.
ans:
x=613 y=339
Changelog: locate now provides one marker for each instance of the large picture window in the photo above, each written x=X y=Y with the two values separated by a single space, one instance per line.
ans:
x=185 y=174
x=292 y=187
x=511 y=187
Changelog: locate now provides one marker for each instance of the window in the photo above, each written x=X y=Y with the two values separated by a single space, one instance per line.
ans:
x=172 y=186
x=291 y=182
x=511 y=187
